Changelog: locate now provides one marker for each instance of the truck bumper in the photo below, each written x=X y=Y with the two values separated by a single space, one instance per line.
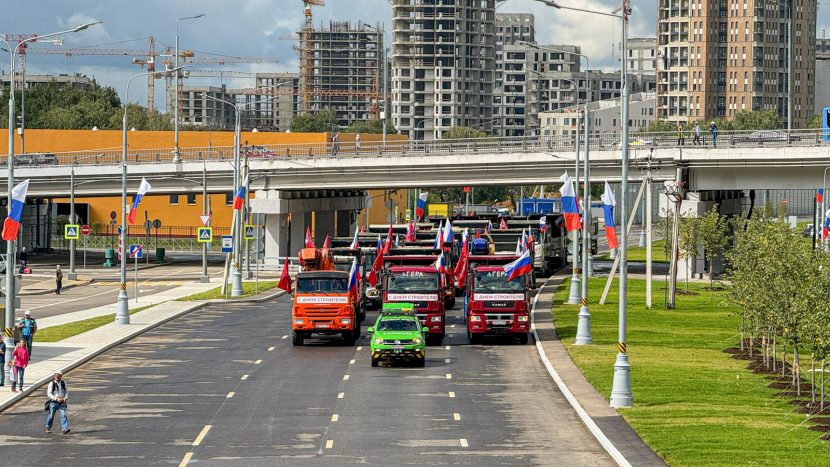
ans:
x=400 y=355
x=434 y=323
x=322 y=326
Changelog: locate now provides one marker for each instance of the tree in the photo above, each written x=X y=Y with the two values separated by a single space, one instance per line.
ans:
x=814 y=121
x=746 y=120
x=661 y=126
x=688 y=241
x=463 y=132
x=371 y=126
x=712 y=237
x=320 y=122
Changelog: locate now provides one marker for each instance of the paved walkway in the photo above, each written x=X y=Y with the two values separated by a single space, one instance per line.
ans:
x=612 y=424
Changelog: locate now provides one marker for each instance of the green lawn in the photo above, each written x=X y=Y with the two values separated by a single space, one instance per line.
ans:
x=693 y=404
x=248 y=289
x=59 y=333
x=638 y=253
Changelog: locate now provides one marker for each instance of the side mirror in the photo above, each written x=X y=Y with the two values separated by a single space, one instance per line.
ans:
x=370 y=330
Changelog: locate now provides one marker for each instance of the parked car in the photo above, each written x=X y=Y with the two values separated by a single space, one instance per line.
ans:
x=769 y=136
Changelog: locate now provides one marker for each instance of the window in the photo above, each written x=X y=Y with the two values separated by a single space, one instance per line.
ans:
x=174 y=199
x=191 y=198
x=228 y=199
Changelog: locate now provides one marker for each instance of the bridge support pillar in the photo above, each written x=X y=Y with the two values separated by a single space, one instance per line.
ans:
x=345 y=223
x=299 y=222
x=276 y=236
x=323 y=225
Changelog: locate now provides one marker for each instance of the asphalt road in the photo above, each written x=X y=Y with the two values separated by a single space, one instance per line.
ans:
x=224 y=386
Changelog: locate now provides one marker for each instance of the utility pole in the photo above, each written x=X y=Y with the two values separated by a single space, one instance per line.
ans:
x=72 y=274
x=584 y=335
x=205 y=278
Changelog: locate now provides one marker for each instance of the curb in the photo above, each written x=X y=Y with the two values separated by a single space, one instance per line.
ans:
x=586 y=419
x=80 y=361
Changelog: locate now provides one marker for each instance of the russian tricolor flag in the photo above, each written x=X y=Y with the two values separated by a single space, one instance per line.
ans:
x=519 y=267
x=142 y=190
x=353 y=276
x=239 y=196
x=11 y=226
x=421 y=205
x=608 y=203
x=826 y=227
x=440 y=265
x=819 y=195
x=438 y=236
x=355 y=243
x=448 y=235
x=570 y=208
x=543 y=224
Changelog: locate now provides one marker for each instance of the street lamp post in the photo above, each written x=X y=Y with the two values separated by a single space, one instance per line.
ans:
x=621 y=395
x=176 y=155
x=10 y=244
x=72 y=274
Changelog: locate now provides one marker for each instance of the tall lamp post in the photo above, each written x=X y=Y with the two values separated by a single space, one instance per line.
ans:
x=10 y=244
x=621 y=395
x=122 y=313
x=176 y=156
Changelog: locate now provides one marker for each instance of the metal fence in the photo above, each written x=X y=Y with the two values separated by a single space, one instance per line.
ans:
x=172 y=238
x=398 y=148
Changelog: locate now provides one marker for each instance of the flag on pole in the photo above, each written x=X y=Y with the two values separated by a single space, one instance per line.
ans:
x=327 y=242
x=608 y=203
x=448 y=235
x=488 y=228
x=309 y=242
x=372 y=277
x=142 y=190
x=440 y=265
x=353 y=276
x=570 y=208
x=239 y=196
x=543 y=224
x=518 y=247
x=502 y=224
x=519 y=267
x=355 y=243
x=438 y=236
x=285 y=279
x=11 y=226
x=819 y=195
x=421 y=205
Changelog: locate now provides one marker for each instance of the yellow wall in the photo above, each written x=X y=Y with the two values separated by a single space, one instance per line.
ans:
x=378 y=213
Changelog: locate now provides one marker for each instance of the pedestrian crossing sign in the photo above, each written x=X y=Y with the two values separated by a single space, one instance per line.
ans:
x=204 y=234
x=71 y=231
x=249 y=231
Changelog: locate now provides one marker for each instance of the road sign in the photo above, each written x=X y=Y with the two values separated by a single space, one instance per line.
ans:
x=408 y=215
x=71 y=231
x=205 y=220
x=157 y=223
x=136 y=251
x=113 y=215
x=227 y=244
x=204 y=234
x=85 y=230
x=119 y=230
x=250 y=233
x=148 y=225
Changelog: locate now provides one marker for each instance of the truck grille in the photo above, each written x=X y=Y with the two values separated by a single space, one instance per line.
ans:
x=319 y=312
x=498 y=316
x=397 y=341
x=508 y=304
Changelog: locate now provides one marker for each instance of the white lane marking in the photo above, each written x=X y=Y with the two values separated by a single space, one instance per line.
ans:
x=345 y=377
x=271 y=349
x=446 y=360
x=449 y=376
x=463 y=442
x=452 y=394
x=447 y=347
x=63 y=302
x=329 y=444
x=230 y=394
x=456 y=416
x=351 y=362
x=359 y=348
x=284 y=337
x=335 y=417
x=452 y=325
x=257 y=362
x=340 y=395
x=185 y=459
x=244 y=377
x=202 y=435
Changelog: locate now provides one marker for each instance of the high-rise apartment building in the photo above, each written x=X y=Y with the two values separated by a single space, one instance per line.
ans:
x=265 y=113
x=512 y=28
x=510 y=100
x=719 y=57
x=198 y=106
x=346 y=69
x=642 y=55
x=443 y=64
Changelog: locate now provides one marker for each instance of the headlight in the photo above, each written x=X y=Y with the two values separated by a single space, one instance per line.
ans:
x=523 y=318
x=435 y=319
x=298 y=321
x=475 y=318
x=379 y=341
x=416 y=341
x=346 y=320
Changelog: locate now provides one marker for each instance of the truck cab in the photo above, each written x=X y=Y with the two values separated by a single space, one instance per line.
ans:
x=324 y=306
x=495 y=305
x=422 y=286
x=423 y=255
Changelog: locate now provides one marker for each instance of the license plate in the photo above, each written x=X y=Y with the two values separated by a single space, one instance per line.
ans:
x=397 y=348
x=499 y=322
x=321 y=325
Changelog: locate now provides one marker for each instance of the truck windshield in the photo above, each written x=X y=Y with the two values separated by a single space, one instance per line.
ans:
x=412 y=282
x=398 y=325
x=321 y=285
x=496 y=281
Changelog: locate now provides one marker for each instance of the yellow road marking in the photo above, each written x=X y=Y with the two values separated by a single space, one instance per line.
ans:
x=456 y=416
x=186 y=459
x=202 y=435
x=230 y=394
x=329 y=444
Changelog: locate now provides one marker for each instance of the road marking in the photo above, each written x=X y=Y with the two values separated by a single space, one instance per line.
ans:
x=271 y=349
x=340 y=395
x=360 y=347
x=452 y=325
x=463 y=442
x=284 y=337
x=244 y=377
x=334 y=417
x=230 y=394
x=456 y=416
x=446 y=360
x=202 y=435
x=62 y=302
x=257 y=362
x=447 y=347
x=345 y=377
x=452 y=394
x=329 y=444
x=351 y=362
x=449 y=376
x=186 y=459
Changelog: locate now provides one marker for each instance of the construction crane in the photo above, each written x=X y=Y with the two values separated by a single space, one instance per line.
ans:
x=306 y=75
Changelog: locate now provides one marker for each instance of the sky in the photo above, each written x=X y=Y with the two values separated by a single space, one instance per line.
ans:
x=262 y=28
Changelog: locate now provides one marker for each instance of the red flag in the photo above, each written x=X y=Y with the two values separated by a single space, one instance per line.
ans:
x=502 y=224
x=387 y=246
x=327 y=242
x=309 y=242
x=285 y=279
x=372 y=277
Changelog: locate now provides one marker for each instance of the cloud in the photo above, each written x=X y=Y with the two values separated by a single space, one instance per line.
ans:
x=96 y=34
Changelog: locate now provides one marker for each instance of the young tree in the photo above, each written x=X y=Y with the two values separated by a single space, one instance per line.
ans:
x=371 y=126
x=462 y=132
x=320 y=122
x=712 y=229
x=688 y=241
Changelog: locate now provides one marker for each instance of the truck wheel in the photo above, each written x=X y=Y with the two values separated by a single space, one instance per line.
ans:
x=350 y=337
x=374 y=362
x=421 y=362
x=474 y=338
x=297 y=338
x=523 y=339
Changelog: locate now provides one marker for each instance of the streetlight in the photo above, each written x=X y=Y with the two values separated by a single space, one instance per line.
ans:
x=122 y=313
x=176 y=157
x=10 y=244
x=621 y=395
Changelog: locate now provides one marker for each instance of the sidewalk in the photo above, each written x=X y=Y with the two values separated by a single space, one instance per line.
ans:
x=611 y=423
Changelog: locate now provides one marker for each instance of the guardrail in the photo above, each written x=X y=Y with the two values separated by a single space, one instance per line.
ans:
x=405 y=148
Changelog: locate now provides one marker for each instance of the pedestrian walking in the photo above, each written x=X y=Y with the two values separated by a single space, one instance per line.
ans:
x=58 y=279
x=335 y=143
x=12 y=373
x=357 y=144
x=24 y=257
x=57 y=394
x=27 y=326
x=2 y=363
x=713 y=130
x=681 y=135
x=21 y=361
x=697 y=133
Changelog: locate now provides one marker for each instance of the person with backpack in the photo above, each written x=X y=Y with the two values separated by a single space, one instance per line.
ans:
x=57 y=394
x=713 y=130
x=20 y=362
x=24 y=258
x=27 y=327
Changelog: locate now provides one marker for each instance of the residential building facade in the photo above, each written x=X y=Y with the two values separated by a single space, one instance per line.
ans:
x=274 y=104
x=200 y=106
x=605 y=116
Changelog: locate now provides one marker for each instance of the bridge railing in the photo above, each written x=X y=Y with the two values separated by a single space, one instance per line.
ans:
x=414 y=148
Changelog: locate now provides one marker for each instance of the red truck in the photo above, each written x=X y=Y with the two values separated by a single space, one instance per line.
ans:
x=427 y=256
x=423 y=286
x=493 y=305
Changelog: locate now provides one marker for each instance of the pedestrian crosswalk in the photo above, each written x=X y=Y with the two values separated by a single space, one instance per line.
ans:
x=144 y=283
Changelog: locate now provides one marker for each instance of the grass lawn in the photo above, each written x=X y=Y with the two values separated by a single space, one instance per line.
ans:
x=638 y=253
x=59 y=333
x=248 y=289
x=693 y=404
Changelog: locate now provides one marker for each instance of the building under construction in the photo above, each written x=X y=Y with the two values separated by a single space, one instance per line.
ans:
x=341 y=69
x=273 y=103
